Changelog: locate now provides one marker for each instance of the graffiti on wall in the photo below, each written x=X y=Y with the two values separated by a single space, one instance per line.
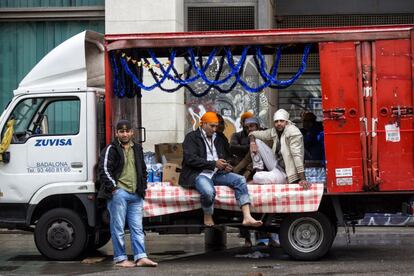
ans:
x=230 y=105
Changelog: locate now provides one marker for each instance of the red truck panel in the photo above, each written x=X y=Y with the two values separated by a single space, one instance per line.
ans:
x=394 y=89
x=341 y=116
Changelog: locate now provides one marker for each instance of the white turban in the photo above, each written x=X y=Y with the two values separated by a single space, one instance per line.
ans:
x=281 y=114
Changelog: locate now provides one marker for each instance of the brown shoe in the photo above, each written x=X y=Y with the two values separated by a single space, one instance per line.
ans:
x=126 y=264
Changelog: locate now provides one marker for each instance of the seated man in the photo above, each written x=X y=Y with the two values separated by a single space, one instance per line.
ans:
x=239 y=142
x=288 y=149
x=205 y=165
x=244 y=166
x=256 y=166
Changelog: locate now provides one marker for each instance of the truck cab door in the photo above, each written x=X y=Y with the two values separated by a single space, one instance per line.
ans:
x=48 y=147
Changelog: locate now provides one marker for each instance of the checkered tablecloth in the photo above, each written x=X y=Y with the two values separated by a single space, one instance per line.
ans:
x=162 y=198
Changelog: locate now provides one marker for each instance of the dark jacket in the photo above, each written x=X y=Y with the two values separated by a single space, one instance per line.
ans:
x=195 y=157
x=111 y=164
x=240 y=144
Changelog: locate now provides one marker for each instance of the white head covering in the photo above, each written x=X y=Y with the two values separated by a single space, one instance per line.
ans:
x=281 y=114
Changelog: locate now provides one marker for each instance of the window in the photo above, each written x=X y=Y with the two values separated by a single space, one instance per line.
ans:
x=62 y=117
x=45 y=116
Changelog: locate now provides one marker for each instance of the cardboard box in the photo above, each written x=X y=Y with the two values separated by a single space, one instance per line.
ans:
x=173 y=152
x=171 y=173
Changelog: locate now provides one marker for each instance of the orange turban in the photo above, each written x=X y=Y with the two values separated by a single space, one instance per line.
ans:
x=209 y=117
x=246 y=115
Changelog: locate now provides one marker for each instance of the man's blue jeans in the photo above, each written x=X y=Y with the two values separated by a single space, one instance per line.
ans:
x=205 y=186
x=125 y=205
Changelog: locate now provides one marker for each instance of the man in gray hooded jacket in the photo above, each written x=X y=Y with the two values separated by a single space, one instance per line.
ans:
x=288 y=147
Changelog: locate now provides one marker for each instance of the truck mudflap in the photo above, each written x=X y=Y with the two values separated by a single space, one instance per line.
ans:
x=162 y=198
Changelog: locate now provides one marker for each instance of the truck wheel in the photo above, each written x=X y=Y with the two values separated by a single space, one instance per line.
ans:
x=306 y=236
x=60 y=234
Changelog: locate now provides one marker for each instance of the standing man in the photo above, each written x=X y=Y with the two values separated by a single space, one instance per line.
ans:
x=123 y=183
x=205 y=165
x=287 y=147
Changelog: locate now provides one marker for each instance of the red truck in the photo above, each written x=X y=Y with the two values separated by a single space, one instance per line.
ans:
x=48 y=171
x=366 y=76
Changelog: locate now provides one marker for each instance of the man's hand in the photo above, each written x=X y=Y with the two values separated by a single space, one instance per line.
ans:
x=221 y=164
x=253 y=147
x=305 y=184
x=229 y=168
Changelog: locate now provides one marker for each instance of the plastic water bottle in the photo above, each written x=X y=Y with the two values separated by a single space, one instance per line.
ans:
x=315 y=174
x=157 y=172
x=149 y=173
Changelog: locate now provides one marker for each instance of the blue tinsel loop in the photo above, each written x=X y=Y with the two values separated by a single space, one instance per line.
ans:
x=119 y=92
x=141 y=84
x=273 y=70
x=189 y=88
x=233 y=72
x=243 y=83
x=189 y=80
x=172 y=90
x=290 y=81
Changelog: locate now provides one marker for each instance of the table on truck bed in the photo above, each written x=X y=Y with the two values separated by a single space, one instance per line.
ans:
x=162 y=198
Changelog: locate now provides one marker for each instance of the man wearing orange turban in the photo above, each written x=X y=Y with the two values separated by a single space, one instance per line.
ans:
x=245 y=116
x=205 y=165
x=209 y=117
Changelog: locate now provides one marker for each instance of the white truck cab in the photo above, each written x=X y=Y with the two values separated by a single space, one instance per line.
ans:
x=47 y=174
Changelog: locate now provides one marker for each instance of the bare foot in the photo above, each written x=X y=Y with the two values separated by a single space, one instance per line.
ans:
x=252 y=222
x=145 y=262
x=208 y=220
x=125 y=264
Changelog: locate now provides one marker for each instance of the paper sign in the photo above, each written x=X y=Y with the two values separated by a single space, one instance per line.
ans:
x=343 y=172
x=344 y=181
x=392 y=133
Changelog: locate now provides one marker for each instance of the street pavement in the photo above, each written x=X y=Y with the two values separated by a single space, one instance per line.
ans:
x=372 y=251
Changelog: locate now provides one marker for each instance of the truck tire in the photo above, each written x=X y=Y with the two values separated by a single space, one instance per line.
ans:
x=306 y=236
x=61 y=234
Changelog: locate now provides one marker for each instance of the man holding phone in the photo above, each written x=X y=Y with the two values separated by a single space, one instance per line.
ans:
x=205 y=165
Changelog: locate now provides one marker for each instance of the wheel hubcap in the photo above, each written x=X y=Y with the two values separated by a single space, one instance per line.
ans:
x=306 y=234
x=60 y=235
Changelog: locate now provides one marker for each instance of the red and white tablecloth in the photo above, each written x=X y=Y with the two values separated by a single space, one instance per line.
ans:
x=162 y=198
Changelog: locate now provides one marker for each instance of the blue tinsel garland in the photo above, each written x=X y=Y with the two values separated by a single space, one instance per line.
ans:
x=121 y=70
